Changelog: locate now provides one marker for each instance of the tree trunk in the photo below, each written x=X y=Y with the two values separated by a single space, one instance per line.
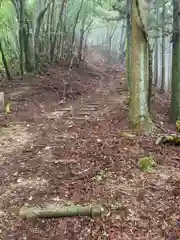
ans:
x=63 y=31
x=110 y=36
x=74 y=27
x=129 y=43
x=139 y=68
x=122 y=43
x=175 y=88
x=5 y=62
x=163 y=50
x=59 y=25
x=37 y=31
x=82 y=31
x=47 y=33
x=150 y=66
x=156 y=62
x=52 y=29
x=21 y=37
x=27 y=52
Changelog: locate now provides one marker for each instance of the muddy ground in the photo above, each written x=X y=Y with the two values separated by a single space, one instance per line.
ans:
x=57 y=149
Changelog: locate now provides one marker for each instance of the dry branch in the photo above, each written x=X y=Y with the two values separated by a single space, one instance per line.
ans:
x=61 y=211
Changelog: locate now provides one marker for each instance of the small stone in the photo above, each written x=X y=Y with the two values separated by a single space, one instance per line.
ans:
x=19 y=180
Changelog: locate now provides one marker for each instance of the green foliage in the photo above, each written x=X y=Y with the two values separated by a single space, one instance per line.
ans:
x=8 y=29
x=146 y=164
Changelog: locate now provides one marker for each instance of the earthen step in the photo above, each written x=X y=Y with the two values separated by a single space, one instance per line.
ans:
x=92 y=102
x=88 y=109
x=81 y=113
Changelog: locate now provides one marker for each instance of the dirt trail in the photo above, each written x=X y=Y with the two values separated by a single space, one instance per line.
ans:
x=55 y=151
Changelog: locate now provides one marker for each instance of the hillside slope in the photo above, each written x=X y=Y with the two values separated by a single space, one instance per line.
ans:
x=56 y=149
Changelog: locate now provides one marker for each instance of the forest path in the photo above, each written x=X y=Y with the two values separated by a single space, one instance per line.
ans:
x=54 y=152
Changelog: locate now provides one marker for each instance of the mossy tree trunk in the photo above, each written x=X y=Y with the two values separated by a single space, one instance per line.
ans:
x=138 y=69
x=175 y=98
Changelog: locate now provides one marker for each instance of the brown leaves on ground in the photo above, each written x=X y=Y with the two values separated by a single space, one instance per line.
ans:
x=59 y=149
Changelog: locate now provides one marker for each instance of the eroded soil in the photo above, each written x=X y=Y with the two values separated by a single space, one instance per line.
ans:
x=56 y=150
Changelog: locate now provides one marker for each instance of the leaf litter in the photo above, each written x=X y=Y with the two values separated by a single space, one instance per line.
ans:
x=77 y=148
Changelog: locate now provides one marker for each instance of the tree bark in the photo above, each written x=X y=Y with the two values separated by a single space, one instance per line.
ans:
x=21 y=37
x=175 y=88
x=139 y=68
x=163 y=49
x=52 y=27
x=27 y=52
x=74 y=27
x=37 y=31
x=59 y=25
x=156 y=62
x=8 y=74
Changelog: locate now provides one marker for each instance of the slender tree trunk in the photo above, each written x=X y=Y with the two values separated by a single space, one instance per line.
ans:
x=59 y=24
x=156 y=62
x=82 y=31
x=163 y=50
x=47 y=33
x=74 y=27
x=129 y=43
x=175 y=88
x=52 y=29
x=122 y=43
x=63 y=35
x=85 y=49
x=21 y=37
x=5 y=62
x=36 y=35
x=27 y=52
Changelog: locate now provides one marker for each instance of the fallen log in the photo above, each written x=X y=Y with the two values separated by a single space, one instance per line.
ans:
x=168 y=139
x=61 y=211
